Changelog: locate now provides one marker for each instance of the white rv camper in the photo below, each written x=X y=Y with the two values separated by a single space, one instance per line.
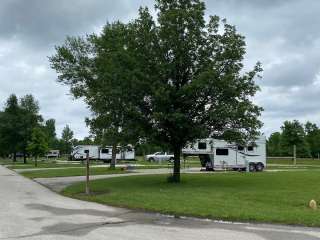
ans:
x=105 y=154
x=220 y=154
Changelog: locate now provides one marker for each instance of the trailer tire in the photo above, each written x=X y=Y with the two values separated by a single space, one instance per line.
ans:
x=259 y=167
x=151 y=159
x=252 y=167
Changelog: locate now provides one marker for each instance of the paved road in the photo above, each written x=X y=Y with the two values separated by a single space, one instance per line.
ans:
x=31 y=211
x=59 y=183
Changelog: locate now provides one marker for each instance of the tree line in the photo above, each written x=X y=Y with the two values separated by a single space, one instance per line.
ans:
x=23 y=130
x=306 y=138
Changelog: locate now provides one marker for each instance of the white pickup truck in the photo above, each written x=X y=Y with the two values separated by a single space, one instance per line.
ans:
x=159 y=157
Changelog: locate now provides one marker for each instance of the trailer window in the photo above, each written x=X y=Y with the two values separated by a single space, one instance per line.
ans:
x=86 y=151
x=202 y=145
x=222 y=151
x=105 y=150
x=250 y=148
x=240 y=148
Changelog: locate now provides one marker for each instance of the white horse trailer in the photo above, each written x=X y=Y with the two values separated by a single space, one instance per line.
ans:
x=102 y=153
x=220 y=154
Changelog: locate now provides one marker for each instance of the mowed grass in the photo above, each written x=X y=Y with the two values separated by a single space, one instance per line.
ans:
x=289 y=161
x=280 y=197
x=68 y=172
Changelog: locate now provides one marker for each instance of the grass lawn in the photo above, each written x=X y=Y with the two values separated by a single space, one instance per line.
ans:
x=278 y=197
x=67 y=172
x=288 y=161
x=44 y=165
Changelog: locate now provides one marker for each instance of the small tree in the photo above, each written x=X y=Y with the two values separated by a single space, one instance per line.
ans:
x=38 y=145
x=66 y=139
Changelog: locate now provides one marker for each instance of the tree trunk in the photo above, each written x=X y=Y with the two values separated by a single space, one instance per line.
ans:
x=14 y=157
x=36 y=161
x=113 y=158
x=24 y=158
x=176 y=167
x=87 y=173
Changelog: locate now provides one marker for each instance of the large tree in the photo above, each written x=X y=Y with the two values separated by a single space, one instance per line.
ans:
x=186 y=76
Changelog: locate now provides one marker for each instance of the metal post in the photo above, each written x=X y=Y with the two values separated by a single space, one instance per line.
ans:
x=87 y=174
x=294 y=155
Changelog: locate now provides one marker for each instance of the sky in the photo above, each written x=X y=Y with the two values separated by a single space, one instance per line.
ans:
x=283 y=35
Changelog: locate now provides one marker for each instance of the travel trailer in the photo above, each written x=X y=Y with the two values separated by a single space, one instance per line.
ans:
x=101 y=153
x=220 y=154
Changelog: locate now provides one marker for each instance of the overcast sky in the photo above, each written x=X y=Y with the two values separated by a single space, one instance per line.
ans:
x=284 y=35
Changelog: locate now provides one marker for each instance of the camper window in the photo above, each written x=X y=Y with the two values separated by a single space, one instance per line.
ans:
x=240 y=148
x=222 y=151
x=105 y=150
x=86 y=151
x=250 y=148
x=202 y=145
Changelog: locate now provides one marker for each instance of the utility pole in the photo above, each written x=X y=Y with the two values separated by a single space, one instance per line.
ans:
x=294 y=154
x=87 y=173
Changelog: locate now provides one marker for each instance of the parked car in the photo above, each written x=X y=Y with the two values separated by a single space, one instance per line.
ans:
x=159 y=157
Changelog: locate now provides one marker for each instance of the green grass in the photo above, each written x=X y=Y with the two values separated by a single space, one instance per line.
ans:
x=280 y=197
x=45 y=165
x=288 y=161
x=67 y=172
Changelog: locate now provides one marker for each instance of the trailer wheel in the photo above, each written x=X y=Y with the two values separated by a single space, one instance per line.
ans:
x=151 y=159
x=259 y=167
x=252 y=167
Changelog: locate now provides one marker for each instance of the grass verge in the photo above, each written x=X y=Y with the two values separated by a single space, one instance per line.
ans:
x=280 y=197
x=68 y=172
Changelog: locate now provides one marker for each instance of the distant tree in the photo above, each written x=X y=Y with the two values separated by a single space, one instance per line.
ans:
x=11 y=126
x=30 y=120
x=175 y=79
x=84 y=141
x=274 y=145
x=313 y=138
x=50 y=130
x=38 y=145
x=66 y=139
x=293 y=134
